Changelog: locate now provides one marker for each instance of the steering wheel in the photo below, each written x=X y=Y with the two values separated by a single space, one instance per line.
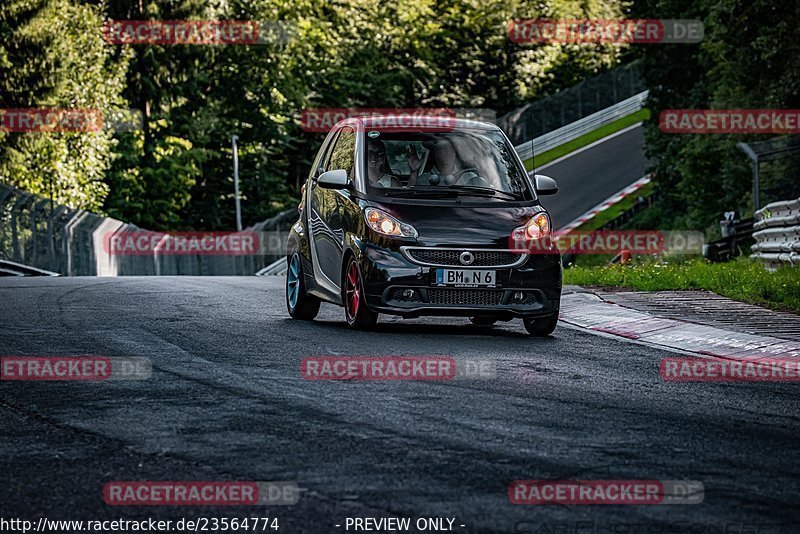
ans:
x=477 y=178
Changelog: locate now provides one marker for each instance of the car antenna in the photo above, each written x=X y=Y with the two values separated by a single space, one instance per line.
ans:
x=533 y=158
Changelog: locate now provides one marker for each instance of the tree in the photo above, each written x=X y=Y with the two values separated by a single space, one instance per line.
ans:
x=176 y=171
x=748 y=59
x=52 y=55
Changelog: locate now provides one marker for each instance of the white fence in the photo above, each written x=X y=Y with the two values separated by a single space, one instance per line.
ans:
x=580 y=127
x=34 y=234
x=778 y=234
x=276 y=268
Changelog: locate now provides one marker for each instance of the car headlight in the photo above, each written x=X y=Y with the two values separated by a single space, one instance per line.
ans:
x=536 y=228
x=385 y=224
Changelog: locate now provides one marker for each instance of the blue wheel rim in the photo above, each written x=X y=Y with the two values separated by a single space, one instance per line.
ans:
x=293 y=281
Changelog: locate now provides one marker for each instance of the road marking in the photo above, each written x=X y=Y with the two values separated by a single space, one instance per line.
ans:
x=613 y=199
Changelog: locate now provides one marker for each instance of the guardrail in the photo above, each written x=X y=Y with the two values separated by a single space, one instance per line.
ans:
x=580 y=127
x=277 y=268
x=35 y=233
x=11 y=268
x=778 y=234
x=572 y=104
x=737 y=235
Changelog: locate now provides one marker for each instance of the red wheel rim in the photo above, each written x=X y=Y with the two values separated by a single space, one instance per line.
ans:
x=352 y=291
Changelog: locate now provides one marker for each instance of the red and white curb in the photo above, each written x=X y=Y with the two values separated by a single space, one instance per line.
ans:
x=588 y=311
x=589 y=215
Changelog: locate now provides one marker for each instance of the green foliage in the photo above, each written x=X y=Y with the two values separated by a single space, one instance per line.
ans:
x=52 y=55
x=177 y=171
x=357 y=53
x=153 y=195
x=748 y=59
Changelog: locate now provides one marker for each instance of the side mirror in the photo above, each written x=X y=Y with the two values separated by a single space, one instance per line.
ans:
x=333 y=179
x=545 y=185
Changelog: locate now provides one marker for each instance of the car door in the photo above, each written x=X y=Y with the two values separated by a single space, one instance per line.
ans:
x=321 y=239
x=328 y=208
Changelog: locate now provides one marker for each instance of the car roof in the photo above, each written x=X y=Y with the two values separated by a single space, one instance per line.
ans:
x=377 y=122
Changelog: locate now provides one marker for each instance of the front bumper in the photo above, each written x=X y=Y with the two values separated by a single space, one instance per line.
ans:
x=388 y=274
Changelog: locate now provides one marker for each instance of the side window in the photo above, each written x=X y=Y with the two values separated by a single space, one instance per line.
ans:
x=326 y=156
x=317 y=199
x=343 y=154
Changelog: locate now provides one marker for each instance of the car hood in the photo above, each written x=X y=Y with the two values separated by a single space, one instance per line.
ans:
x=455 y=225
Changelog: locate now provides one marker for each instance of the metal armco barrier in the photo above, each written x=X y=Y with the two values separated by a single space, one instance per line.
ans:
x=73 y=242
x=778 y=234
x=277 y=268
x=580 y=127
x=737 y=235
x=10 y=268
x=570 y=105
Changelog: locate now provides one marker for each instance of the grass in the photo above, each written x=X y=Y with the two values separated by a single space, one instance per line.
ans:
x=596 y=222
x=743 y=279
x=586 y=139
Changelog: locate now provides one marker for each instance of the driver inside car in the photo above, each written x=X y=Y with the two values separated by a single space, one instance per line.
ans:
x=446 y=169
x=378 y=170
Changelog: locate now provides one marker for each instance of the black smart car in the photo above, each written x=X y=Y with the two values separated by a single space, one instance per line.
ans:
x=423 y=220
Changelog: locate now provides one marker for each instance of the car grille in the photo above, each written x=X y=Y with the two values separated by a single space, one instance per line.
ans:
x=450 y=258
x=397 y=294
x=464 y=297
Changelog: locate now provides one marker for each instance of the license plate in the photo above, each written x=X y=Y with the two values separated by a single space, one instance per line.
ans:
x=465 y=278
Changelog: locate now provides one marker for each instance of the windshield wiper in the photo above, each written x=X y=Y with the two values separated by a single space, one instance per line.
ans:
x=482 y=191
x=449 y=191
x=427 y=191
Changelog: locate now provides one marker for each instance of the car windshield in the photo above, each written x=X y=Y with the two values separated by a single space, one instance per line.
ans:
x=461 y=162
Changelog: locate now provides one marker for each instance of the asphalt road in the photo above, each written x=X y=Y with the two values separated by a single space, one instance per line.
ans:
x=588 y=177
x=226 y=402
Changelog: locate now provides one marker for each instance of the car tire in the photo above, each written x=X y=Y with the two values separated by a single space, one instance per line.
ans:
x=541 y=326
x=356 y=312
x=301 y=305
x=483 y=322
